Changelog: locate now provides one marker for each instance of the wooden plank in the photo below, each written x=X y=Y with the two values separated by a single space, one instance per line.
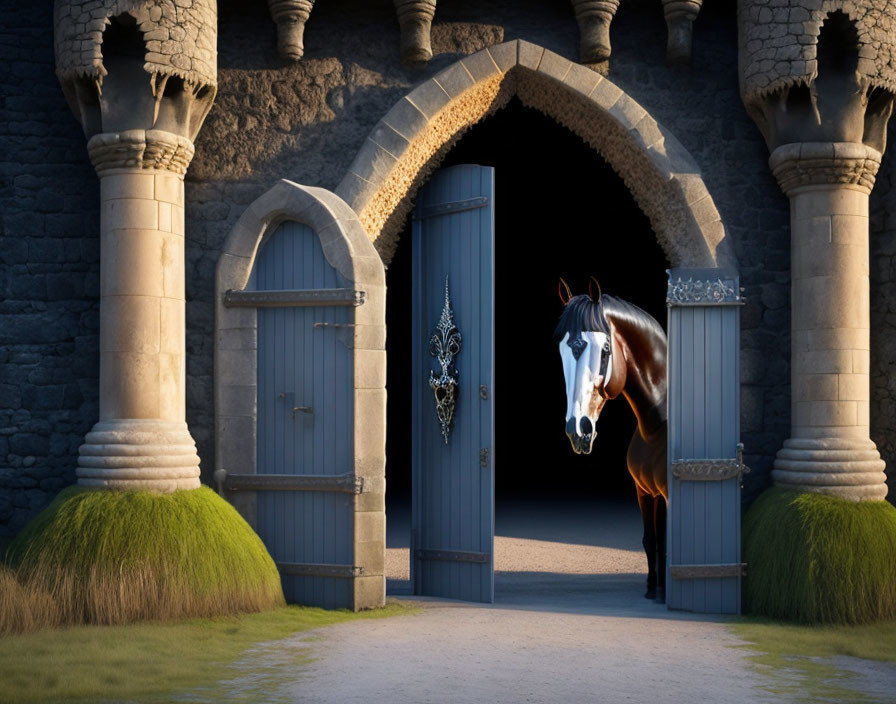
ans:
x=453 y=495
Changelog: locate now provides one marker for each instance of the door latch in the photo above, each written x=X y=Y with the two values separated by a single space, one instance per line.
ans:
x=483 y=457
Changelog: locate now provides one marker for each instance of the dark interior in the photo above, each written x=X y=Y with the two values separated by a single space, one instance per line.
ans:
x=560 y=211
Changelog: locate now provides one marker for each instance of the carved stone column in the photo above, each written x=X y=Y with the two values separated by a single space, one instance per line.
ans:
x=819 y=84
x=594 y=18
x=141 y=84
x=415 y=20
x=290 y=17
x=829 y=449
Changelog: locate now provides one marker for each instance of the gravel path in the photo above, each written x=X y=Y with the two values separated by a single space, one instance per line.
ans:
x=568 y=624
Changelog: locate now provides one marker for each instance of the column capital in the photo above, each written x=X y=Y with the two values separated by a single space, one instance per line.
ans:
x=804 y=164
x=140 y=149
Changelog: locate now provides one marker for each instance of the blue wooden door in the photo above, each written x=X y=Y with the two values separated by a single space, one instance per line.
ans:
x=704 y=559
x=453 y=458
x=305 y=402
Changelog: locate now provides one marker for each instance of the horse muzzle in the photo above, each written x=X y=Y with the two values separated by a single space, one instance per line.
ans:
x=582 y=438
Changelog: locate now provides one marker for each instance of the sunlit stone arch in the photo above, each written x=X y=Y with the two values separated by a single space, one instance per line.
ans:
x=411 y=140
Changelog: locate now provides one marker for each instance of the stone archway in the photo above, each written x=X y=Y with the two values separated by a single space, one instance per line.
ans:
x=408 y=143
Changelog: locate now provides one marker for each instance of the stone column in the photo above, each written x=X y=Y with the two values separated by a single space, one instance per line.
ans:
x=829 y=450
x=818 y=82
x=141 y=439
x=141 y=83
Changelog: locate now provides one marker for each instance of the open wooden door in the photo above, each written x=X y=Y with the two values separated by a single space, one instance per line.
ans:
x=453 y=358
x=705 y=465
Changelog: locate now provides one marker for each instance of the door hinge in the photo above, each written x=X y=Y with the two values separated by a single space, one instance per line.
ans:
x=483 y=457
x=483 y=392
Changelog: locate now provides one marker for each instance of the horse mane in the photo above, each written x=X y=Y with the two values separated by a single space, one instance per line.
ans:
x=631 y=316
x=581 y=314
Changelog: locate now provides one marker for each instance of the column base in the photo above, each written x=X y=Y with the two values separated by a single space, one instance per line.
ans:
x=155 y=455
x=844 y=467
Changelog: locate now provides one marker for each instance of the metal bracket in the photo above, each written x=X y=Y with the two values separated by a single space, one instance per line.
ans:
x=338 y=483
x=290 y=298
x=456 y=206
x=314 y=569
x=452 y=556
x=710 y=470
x=715 y=571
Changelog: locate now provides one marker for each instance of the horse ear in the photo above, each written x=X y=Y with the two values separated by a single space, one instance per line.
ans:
x=563 y=290
x=594 y=287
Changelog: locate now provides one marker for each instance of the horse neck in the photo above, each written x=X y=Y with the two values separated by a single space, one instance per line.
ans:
x=645 y=384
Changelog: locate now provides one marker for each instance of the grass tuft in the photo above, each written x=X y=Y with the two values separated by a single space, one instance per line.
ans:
x=114 y=557
x=819 y=559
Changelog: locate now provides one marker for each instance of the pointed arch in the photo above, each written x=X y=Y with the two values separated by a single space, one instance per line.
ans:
x=410 y=141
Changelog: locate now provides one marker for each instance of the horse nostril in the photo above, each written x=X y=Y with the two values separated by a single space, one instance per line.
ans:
x=586 y=426
x=571 y=427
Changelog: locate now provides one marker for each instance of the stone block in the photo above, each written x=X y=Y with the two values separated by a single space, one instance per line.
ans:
x=554 y=65
x=582 y=79
x=237 y=400
x=605 y=94
x=838 y=339
x=854 y=387
x=849 y=229
x=627 y=112
x=406 y=119
x=370 y=592
x=429 y=98
x=127 y=185
x=370 y=526
x=237 y=338
x=649 y=132
x=529 y=55
x=371 y=555
x=232 y=272
x=169 y=188
x=370 y=337
x=370 y=369
x=371 y=500
x=454 y=80
x=834 y=201
x=826 y=362
x=165 y=221
x=131 y=324
x=172 y=326
x=373 y=163
x=129 y=214
x=826 y=413
x=373 y=312
x=129 y=385
x=386 y=137
x=172 y=386
x=236 y=367
x=505 y=55
x=355 y=191
x=133 y=262
x=815 y=387
x=481 y=65
x=178 y=226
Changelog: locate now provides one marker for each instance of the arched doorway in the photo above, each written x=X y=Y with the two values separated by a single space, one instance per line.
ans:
x=560 y=210
x=376 y=195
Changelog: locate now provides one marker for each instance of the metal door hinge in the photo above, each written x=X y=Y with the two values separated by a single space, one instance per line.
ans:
x=483 y=457
x=483 y=392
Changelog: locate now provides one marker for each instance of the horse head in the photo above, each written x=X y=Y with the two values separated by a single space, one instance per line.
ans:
x=593 y=363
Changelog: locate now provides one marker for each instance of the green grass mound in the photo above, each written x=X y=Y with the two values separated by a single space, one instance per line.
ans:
x=111 y=557
x=819 y=559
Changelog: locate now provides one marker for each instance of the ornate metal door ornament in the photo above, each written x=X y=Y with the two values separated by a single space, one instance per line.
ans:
x=445 y=345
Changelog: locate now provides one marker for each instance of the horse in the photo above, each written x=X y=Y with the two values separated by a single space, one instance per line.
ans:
x=610 y=347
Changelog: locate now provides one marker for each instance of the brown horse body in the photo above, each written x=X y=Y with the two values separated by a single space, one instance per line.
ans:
x=638 y=372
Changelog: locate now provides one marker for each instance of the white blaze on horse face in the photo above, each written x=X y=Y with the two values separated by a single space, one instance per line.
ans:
x=583 y=377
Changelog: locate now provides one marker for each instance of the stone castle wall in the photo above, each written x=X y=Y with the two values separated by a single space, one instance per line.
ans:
x=305 y=121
